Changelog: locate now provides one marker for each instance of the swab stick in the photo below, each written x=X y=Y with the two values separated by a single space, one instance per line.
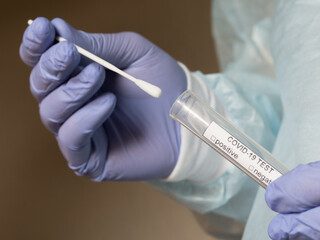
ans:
x=149 y=88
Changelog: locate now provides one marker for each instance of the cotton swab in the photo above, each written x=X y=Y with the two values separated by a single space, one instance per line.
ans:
x=149 y=88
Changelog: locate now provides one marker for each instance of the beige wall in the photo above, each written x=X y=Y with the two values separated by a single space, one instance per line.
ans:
x=40 y=197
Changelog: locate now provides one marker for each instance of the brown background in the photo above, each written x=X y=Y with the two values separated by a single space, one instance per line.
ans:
x=40 y=197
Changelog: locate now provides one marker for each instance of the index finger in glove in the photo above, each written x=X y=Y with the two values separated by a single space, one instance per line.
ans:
x=37 y=38
x=53 y=68
x=295 y=191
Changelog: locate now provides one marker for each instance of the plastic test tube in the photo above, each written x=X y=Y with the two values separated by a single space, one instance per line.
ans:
x=227 y=140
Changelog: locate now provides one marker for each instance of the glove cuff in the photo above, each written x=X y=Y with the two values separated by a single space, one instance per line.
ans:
x=197 y=162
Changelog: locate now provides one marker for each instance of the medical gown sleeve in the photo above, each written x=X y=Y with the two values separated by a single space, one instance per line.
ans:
x=218 y=186
x=246 y=93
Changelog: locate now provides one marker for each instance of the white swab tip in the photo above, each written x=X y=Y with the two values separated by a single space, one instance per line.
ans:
x=149 y=88
x=30 y=21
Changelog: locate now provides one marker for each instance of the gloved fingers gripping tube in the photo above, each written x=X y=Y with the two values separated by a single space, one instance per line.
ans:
x=226 y=139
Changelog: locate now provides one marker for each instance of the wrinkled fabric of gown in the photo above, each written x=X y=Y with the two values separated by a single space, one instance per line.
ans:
x=269 y=55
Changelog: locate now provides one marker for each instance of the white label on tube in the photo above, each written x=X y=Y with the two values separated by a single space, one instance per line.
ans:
x=240 y=153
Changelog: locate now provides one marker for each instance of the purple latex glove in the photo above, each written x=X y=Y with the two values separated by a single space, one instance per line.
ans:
x=106 y=127
x=296 y=196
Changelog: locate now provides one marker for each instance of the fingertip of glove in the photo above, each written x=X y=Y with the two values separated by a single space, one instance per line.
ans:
x=271 y=231
x=276 y=228
x=41 y=26
x=39 y=35
x=59 y=22
x=67 y=49
x=63 y=28
x=92 y=75
x=65 y=54
x=110 y=100
x=274 y=197
x=268 y=196
x=36 y=39
x=107 y=103
x=95 y=70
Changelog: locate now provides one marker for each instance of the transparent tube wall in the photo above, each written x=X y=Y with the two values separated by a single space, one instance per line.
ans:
x=226 y=139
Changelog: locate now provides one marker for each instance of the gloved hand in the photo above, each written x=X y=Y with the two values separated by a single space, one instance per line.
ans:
x=296 y=196
x=106 y=127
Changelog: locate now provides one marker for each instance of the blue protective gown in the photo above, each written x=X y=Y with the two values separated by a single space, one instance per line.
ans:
x=269 y=54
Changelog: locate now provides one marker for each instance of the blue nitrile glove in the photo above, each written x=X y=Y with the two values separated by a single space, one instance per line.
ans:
x=296 y=196
x=107 y=128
